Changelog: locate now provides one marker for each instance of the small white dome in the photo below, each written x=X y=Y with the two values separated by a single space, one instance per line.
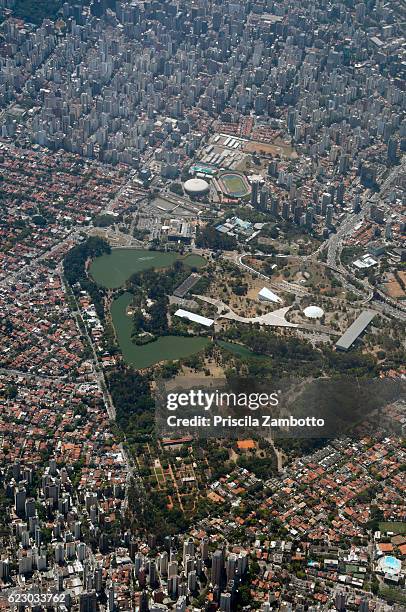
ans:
x=313 y=312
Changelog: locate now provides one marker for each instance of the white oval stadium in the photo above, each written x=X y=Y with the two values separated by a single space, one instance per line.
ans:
x=196 y=186
x=313 y=312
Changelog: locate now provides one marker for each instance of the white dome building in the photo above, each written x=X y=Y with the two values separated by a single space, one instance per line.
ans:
x=196 y=187
x=313 y=312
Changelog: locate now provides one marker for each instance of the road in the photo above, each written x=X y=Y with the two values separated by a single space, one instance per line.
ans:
x=39 y=377
x=99 y=378
x=334 y=247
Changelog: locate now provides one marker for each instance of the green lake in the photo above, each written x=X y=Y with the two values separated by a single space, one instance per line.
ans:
x=166 y=348
x=239 y=349
x=112 y=271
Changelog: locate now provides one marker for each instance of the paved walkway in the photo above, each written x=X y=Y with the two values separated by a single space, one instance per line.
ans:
x=272 y=319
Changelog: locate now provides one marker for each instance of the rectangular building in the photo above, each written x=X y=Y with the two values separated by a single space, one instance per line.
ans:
x=355 y=330
x=195 y=318
x=187 y=285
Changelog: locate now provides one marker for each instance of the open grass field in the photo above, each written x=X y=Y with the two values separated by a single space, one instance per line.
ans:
x=262 y=148
x=392 y=595
x=395 y=527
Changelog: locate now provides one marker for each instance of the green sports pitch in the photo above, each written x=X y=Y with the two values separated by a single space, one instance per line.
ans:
x=234 y=185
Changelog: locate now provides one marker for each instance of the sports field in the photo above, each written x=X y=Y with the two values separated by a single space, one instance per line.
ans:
x=234 y=185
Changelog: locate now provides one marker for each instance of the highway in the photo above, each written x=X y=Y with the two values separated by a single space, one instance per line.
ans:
x=334 y=247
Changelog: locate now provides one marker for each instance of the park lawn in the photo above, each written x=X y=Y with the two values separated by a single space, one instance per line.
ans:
x=396 y=527
x=392 y=595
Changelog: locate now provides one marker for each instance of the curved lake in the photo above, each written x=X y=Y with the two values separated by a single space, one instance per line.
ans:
x=166 y=348
x=113 y=270
x=239 y=349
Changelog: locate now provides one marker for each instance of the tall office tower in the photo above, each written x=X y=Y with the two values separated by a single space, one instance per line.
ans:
x=25 y=538
x=329 y=215
x=59 y=581
x=172 y=568
x=225 y=602
x=81 y=550
x=30 y=507
x=59 y=553
x=292 y=119
x=188 y=565
x=392 y=151
x=52 y=467
x=364 y=606
x=98 y=579
x=52 y=492
x=142 y=577
x=356 y=204
x=16 y=470
x=217 y=568
x=173 y=586
x=33 y=521
x=298 y=214
x=19 y=501
x=325 y=201
x=388 y=231
x=217 y=19
x=332 y=192
x=340 y=193
x=273 y=168
x=263 y=198
x=199 y=566
x=188 y=549
x=344 y=164
x=242 y=563
x=275 y=207
x=138 y=562
x=285 y=210
x=204 y=548
x=191 y=581
x=260 y=103
x=37 y=536
x=254 y=193
x=360 y=11
x=103 y=540
x=57 y=530
x=4 y=569
x=163 y=563
x=340 y=602
x=377 y=213
x=152 y=573
x=231 y=566
x=144 y=602
x=111 y=599
x=96 y=8
x=309 y=217
x=88 y=602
